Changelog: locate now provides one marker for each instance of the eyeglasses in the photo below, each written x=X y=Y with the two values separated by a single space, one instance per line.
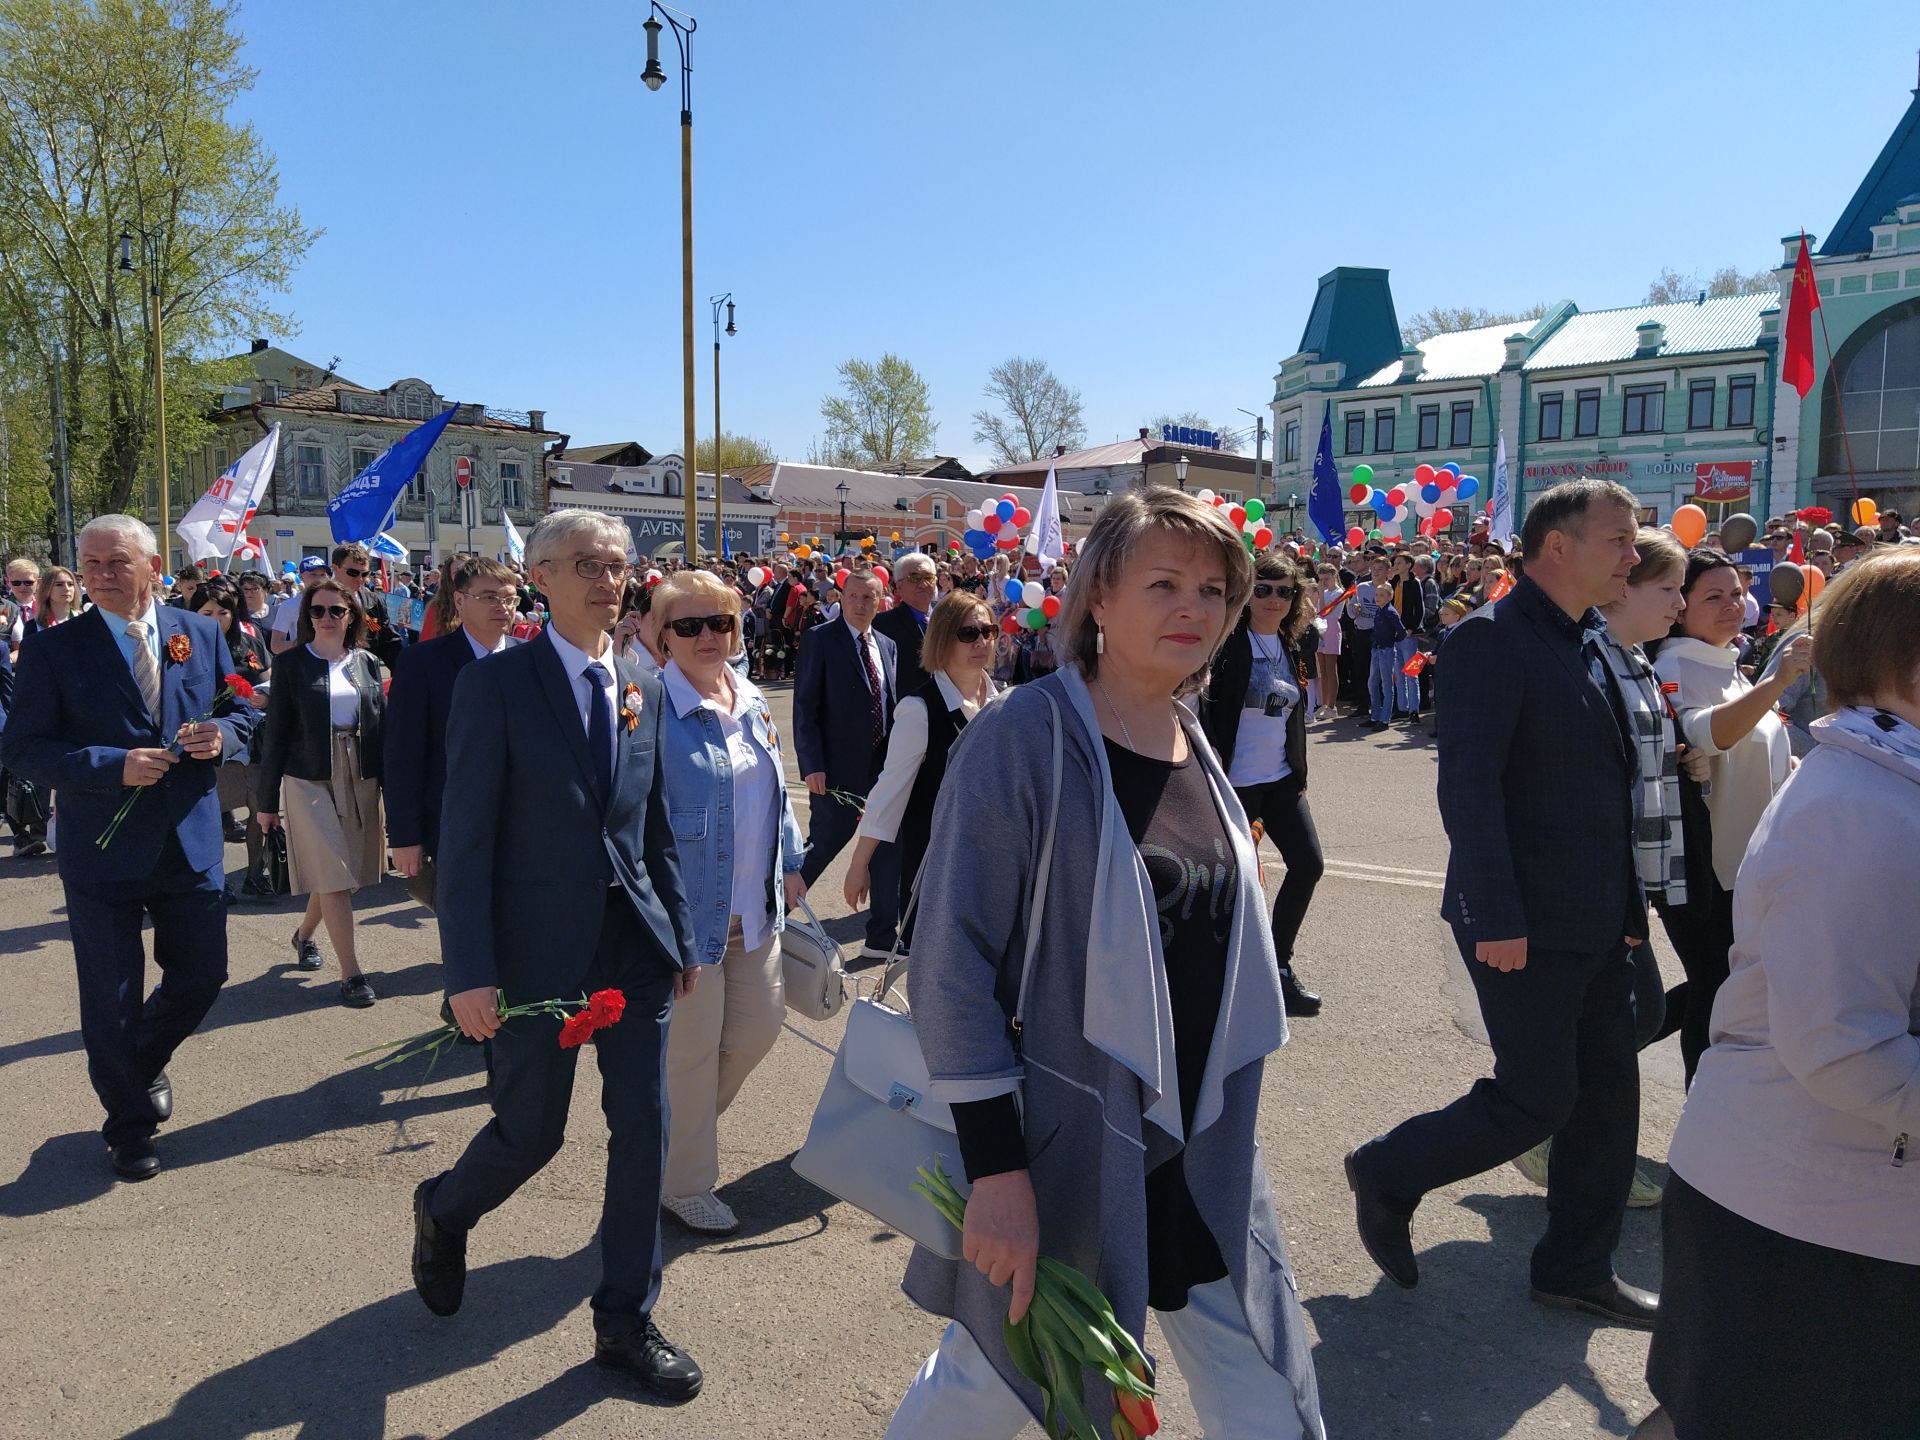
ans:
x=499 y=599
x=353 y=574
x=972 y=634
x=1274 y=592
x=18 y=584
x=330 y=612
x=688 y=626
x=614 y=570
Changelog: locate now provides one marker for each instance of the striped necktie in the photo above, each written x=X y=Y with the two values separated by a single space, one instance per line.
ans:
x=146 y=669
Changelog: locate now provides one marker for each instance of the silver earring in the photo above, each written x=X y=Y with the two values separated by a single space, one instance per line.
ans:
x=1100 y=640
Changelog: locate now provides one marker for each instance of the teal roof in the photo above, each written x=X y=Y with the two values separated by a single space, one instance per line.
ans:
x=1895 y=174
x=1604 y=337
x=1353 y=321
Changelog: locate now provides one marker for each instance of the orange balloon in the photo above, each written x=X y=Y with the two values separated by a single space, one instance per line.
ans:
x=1690 y=524
x=1816 y=582
x=1865 y=512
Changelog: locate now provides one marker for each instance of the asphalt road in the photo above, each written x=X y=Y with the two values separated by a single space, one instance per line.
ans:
x=259 y=1286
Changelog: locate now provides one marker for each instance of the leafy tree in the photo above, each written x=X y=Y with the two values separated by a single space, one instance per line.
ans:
x=113 y=117
x=1448 y=319
x=1673 y=287
x=1230 y=443
x=882 y=413
x=1036 y=413
x=736 y=453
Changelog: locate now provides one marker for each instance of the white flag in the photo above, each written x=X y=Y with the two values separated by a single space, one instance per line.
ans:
x=217 y=523
x=1502 y=495
x=516 y=547
x=1043 y=538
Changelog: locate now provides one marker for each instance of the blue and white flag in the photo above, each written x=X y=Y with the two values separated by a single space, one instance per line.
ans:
x=1044 y=540
x=516 y=547
x=1502 y=495
x=1329 y=516
x=358 y=511
x=384 y=547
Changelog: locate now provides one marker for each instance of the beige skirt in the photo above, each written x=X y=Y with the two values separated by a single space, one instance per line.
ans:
x=333 y=829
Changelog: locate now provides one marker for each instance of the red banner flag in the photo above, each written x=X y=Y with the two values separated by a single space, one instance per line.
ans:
x=1796 y=364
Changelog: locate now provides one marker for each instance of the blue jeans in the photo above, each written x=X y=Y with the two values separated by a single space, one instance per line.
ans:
x=1383 y=675
x=1408 y=698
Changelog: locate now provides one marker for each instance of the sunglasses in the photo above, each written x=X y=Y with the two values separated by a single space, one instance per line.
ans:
x=353 y=574
x=330 y=612
x=1274 y=592
x=18 y=584
x=972 y=634
x=688 y=626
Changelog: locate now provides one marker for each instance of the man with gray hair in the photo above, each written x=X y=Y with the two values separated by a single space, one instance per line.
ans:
x=906 y=622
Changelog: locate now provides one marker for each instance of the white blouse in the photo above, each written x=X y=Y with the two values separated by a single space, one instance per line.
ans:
x=906 y=748
x=343 y=701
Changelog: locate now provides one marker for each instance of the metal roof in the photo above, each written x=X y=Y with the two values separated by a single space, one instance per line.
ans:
x=1457 y=355
x=1602 y=337
x=1894 y=176
x=1352 y=320
x=1121 y=452
x=812 y=487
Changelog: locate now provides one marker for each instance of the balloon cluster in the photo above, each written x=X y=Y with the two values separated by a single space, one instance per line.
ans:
x=1032 y=606
x=996 y=526
x=1249 y=519
x=1433 y=491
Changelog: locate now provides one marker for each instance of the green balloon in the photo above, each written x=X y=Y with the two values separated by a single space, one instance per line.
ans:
x=1363 y=475
x=1256 y=509
x=1375 y=533
x=1036 y=619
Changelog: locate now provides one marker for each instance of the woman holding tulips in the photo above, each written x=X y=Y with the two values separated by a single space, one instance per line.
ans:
x=1145 y=1019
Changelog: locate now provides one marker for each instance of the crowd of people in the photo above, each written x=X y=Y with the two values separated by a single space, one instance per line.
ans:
x=1620 y=721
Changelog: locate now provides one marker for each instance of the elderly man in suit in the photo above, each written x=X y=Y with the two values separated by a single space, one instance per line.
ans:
x=557 y=741
x=108 y=702
x=906 y=622
x=843 y=700
x=1545 y=902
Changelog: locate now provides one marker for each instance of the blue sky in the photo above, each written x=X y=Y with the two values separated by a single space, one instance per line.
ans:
x=1143 y=196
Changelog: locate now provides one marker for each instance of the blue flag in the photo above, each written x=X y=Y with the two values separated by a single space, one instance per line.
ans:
x=726 y=550
x=360 y=509
x=1323 y=502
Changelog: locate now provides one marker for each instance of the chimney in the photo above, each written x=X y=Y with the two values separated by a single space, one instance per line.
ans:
x=1143 y=432
x=1059 y=450
x=258 y=345
x=536 y=419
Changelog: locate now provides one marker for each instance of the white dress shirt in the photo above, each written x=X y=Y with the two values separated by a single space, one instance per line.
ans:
x=480 y=653
x=906 y=748
x=575 y=661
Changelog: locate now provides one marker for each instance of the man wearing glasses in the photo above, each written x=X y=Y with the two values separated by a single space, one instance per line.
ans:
x=351 y=566
x=286 y=618
x=559 y=739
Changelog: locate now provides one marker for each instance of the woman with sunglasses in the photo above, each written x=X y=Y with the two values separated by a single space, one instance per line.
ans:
x=1255 y=713
x=326 y=713
x=740 y=856
x=957 y=653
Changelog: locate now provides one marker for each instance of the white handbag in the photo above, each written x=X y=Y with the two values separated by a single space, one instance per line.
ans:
x=876 y=1121
x=811 y=967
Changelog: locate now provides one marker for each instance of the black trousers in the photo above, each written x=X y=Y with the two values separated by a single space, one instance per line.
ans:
x=1356 y=653
x=831 y=825
x=532 y=1090
x=1564 y=1065
x=1702 y=936
x=1281 y=808
x=129 y=1040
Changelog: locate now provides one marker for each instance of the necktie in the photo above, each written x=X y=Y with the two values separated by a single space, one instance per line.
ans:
x=600 y=730
x=877 y=698
x=146 y=669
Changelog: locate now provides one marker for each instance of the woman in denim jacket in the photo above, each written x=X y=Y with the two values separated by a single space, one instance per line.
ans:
x=740 y=851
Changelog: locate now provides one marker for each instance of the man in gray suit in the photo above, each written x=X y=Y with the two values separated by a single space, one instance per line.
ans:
x=557 y=742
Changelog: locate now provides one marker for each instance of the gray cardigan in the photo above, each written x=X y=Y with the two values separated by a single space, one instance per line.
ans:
x=1100 y=1097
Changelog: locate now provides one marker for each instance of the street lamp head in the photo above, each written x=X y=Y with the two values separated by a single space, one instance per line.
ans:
x=1180 y=469
x=126 y=250
x=730 y=329
x=653 y=77
x=841 y=490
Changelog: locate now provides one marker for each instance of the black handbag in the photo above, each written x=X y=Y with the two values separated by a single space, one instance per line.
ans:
x=27 y=808
x=276 y=862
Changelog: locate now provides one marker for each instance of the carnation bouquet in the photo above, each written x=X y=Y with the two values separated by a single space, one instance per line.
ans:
x=579 y=1020
x=233 y=687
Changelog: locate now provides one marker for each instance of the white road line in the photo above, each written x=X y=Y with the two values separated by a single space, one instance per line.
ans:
x=1390 y=869
x=1335 y=872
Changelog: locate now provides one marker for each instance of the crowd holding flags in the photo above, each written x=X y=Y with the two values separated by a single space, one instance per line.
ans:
x=358 y=511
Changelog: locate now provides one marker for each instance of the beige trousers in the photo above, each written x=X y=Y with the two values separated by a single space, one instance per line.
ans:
x=717 y=1035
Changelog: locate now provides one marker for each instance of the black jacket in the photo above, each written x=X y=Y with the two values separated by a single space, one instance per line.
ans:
x=1226 y=695
x=299 y=728
x=899 y=626
x=414 y=769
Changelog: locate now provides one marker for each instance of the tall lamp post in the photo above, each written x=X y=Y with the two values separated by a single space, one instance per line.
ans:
x=150 y=259
x=653 y=77
x=716 y=301
x=840 y=540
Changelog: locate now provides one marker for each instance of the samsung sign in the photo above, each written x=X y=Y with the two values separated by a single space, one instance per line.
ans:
x=1181 y=435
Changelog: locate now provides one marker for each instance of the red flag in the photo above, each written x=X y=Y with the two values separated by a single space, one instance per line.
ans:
x=1796 y=365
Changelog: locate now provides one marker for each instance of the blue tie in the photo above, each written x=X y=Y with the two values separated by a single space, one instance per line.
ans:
x=600 y=731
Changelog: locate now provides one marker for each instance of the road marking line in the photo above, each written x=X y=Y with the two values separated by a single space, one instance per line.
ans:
x=1335 y=872
x=1391 y=869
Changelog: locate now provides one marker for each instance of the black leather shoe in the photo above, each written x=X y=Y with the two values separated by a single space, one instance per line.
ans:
x=439 y=1258
x=134 y=1160
x=306 y=954
x=647 y=1355
x=1386 y=1232
x=160 y=1096
x=1617 y=1301
x=1299 y=999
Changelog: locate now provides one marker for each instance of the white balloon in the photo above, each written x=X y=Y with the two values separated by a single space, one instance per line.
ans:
x=1206 y=497
x=974 y=517
x=1423 y=509
x=1032 y=593
x=756 y=577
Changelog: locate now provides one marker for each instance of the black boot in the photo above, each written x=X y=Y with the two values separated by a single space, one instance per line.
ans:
x=1299 y=999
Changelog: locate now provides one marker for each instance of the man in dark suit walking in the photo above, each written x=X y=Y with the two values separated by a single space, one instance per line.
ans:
x=906 y=622
x=1536 y=776
x=843 y=701
x=557 y=741
x=103 y=703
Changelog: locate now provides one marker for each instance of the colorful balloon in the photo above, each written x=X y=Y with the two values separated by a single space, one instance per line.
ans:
x=1036 y=619
x=991 y=522
x=1442 y=519
x=1262 y=537
x=1022 y=517
x=1206 y=496
x=1423 y=474
x=1256 y=509
x=756 y=577
x=1467 y=488
x=1050 y=607
x=805 y=552
x=1690 y=525
x=1005 y=509
x=1397 y=495
x=1015 y=591
x=1452 y=467
x=840 y=578
x=1865 y=512
x=1238 y=514
x=1356 y=536
x=1032 y=593
x=1358 y=493
x=881 y=571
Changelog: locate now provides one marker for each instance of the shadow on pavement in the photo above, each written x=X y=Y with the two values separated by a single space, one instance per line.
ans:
x=768 y=1198
x=1467 y=1354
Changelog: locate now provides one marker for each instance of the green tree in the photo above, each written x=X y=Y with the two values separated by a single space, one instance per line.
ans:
x=1036 y=413
x=881 y=414
x=113 y=118
x=736 y=453
x=1447 y=319
x=1673 y=287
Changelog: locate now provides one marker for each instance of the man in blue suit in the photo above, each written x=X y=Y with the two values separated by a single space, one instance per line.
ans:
x=1543 y=893
x=843 y=698
x=103 y=704
x=555 y=744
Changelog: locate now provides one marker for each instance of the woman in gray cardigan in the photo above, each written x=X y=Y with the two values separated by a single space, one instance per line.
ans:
x=1154 y=1002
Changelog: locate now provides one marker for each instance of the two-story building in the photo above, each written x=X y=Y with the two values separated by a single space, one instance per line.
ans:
x=650 y=497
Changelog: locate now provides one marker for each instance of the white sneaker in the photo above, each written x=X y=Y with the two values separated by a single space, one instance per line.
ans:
x=1645 y=1193
x=704 y=1214
x=869 y=952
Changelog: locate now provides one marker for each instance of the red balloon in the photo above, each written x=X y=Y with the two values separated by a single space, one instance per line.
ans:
x=881 y=571
x=990 y=522
x=1358 y=495
x=1010 y=623
x=1262 y=537
x=1356 y=536
x=1022 y=516
x=1397 y=496
x=840 y=578
x=1442 y=519
x=1050 y=607
x=1424 y=474
x=1238 y=514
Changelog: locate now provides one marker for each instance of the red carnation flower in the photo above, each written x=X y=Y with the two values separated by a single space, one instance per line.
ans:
x=1817 y=515
x=576 y=1029
x=606 y=1007
x=240 y=688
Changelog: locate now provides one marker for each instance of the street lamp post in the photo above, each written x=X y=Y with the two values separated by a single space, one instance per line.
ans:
x=840 y=539
x=716 y=301
x=150 y=258
x=654 y=77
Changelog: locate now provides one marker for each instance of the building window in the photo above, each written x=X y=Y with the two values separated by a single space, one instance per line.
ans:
x=1429 y=427
x=416 y=403
x=1700 y=405
x=1462 y=423
x=1551 y=406
x=221 y=459
x=1739 y=402
x=1383 y=432
x=1290 y=442
x=939 y=509
x=1356 y=432
x=310 y=472
x=1586 y=413
x=1645 y=411
x=417 y=488
x=1880 y=380
x=510 y=494
x=362 y=457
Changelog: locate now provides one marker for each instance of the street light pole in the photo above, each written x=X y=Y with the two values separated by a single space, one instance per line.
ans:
x=716 y=301
x=1180 y=472
x=654 y=77
x=840 y=539
x=150 y=258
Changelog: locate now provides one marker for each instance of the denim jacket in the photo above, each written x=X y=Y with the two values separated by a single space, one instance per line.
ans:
x=699 y=776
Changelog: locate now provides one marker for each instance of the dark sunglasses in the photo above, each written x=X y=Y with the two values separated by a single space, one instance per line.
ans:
x=353 y=574
x=16 y=584
x=688 y=626
x=1274 y=592
x=972 y=634
x=330 y=612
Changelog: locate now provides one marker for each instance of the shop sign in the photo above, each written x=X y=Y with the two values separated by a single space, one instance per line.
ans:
x=1723 y=481
x=1181 y=435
